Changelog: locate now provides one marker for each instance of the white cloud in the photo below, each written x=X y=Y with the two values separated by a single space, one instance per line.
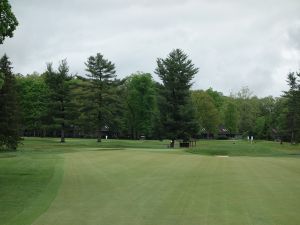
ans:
x=234 y=43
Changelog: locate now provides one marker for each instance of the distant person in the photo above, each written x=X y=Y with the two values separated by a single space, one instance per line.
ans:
x=247 y=138
x=251 y=139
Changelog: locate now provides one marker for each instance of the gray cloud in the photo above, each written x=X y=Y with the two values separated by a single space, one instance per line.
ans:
x=234 y=43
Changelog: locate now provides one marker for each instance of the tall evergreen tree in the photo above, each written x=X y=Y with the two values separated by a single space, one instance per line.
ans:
x=8 y=21
x=1 y=79
x=176 y=73
x=59 y=95
x=101 y=73
x=9 y=113
x=293 y=106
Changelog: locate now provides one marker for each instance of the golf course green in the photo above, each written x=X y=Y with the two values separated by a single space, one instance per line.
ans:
x=118 y=182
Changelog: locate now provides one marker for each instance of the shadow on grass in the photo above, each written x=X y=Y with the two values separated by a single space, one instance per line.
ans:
x=244 y=148
x=215 y=152
x=63 y=150
x=7 y=153
x=108 y=149
x=211 y=152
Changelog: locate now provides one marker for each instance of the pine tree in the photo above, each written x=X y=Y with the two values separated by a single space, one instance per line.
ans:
x=59 y=89
x=293 y=106
x=101 y=73
x=9 y=113
x=176 y=73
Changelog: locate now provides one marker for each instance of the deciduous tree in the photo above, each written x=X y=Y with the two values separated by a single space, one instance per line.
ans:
x=231 y=118
x=34 y=100
x=141 y=104
x=8 y=21
x=206 y=112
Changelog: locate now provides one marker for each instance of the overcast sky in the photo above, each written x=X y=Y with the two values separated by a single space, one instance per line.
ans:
x=234 y=43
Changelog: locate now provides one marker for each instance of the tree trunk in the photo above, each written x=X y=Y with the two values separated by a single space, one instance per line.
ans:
x=172 y=144
x=99 y=135
x=99 y=116
x=132 y=133
x=62 y=134
x=292 y=138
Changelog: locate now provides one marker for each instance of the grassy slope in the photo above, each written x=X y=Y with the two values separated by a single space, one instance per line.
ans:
x=244 y=148
x=149 y=186
x=28 y=184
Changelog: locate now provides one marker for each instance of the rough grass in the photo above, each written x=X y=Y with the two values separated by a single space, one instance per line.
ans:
x=145 y=183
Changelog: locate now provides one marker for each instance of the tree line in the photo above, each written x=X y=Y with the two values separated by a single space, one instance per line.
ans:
x=59 y=104
x=98 y=104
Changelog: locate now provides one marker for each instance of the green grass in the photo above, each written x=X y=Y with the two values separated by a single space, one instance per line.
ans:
x=28 y=184
x=244 y=148
x=52 y=145
x=145 y=183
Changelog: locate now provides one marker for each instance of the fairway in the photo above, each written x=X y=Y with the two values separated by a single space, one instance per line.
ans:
x=149 y=112
x=111 y=184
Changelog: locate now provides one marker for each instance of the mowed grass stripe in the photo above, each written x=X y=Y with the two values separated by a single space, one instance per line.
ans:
x=140 y=187
x=27 y=186
x=118 y=182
